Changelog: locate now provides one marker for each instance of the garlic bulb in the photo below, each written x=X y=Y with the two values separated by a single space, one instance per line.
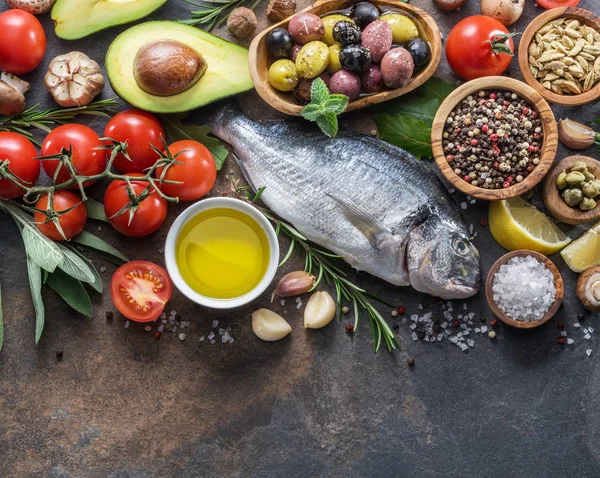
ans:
x=588 y=289
x=269 y=326
x=294 y=283
x=74 y=79
x=32 y=6
x=575 y=135
x=319 y=311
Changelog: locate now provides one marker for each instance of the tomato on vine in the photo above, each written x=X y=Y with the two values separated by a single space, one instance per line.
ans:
x=23 y=44
x=479 y=46
x=22 y=163
x=141 y=130
x=66 y=209
x=83 y=141
x=140 y=217
x=197 y=174
x=140 y=290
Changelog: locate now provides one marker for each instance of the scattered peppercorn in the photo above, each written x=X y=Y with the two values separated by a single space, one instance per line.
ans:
x=410 y=362
x=345 y=310
x=456 y=324
x=109 y=316
x=494 y=322
x=349 y=327
x=395 y=326
x=59 y=355
x=492 y=334
x=157 y=335
x=148 y=328
x=560 y=325
x=483 y=222
x=401 y=309
x=394 y=313
x=560 y=340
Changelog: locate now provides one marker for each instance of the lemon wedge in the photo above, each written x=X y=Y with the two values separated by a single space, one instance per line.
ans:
x=516 y=224
x=584 y=252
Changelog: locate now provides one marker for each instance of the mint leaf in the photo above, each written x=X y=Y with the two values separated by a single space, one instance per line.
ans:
x=318 y=91
x=336 y=104
x=329 y=124
x=414 y=106
x=311 y=112
x=436 y=88
x=408 y=133
x=324 y=108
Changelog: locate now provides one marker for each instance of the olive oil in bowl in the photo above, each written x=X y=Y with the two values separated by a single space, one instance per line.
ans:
x=222 y=253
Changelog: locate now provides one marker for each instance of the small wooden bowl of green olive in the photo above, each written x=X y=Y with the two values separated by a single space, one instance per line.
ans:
x=571 y=183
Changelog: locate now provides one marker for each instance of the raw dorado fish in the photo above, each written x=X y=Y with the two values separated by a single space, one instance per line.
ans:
x=374 y=204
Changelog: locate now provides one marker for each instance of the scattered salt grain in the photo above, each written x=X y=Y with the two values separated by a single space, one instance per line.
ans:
x=414 y=336
x=211 y=336
x=464 y=306
x=471 y=343
x=103 y=269
x=161 y=250
x=570 y=341
x=213 y=341
x=161 y=328
x=173 y=313
x=299 y=305
x=477 y=330
x=164 y=322
x=463 y=205
x=282 y=302
x=451 y=190
x=215 y=323
x=585 y=331
x=587 y=336
x=163 y=315
x=182 y=336
x=126 y=324
x=588 y=352
x=420 y=307
x=563 y=333
x=202 y=339
x=484 y=329
x=221 y=331
x=413 y=326
x=590 y=330
x=576 y=325
x=225 y=338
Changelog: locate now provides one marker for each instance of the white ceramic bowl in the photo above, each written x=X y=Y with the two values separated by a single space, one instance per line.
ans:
x=213 y=203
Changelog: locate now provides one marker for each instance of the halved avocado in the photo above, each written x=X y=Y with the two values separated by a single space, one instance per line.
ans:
x=226 y=73
x=78 y=18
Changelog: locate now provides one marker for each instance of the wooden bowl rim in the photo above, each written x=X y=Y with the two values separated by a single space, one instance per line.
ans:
x=558 y=283
x=561 y=210
x=290 y=107
x=549 y=145
x=523 y=53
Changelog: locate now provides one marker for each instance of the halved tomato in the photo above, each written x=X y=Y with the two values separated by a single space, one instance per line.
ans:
x=548 y=4
x=140 y=290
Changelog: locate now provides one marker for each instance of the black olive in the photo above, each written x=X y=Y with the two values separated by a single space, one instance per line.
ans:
x=346 y=33
x=364 y=13
x=420 y=51
x=280 y=43
x=355 y=58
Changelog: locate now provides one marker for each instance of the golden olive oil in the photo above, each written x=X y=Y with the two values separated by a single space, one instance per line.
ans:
x=222 y=253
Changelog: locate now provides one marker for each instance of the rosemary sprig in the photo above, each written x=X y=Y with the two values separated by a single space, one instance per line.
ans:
x=321 y=264
x=213 y=13
x=42 y=119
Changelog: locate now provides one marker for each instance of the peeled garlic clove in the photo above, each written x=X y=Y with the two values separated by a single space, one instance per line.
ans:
x=269 y=326
x=294 y=283
x=575 y=135
x=319 y=311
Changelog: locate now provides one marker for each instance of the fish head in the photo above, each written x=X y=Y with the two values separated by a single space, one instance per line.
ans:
x=442 y=260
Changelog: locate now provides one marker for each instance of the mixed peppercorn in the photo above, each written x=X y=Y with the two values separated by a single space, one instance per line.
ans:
x=493 y=140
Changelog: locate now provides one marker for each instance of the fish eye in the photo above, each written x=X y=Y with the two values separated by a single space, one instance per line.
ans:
x=461 y=246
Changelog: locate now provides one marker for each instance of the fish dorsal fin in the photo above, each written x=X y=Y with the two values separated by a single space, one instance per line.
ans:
x=364 y=221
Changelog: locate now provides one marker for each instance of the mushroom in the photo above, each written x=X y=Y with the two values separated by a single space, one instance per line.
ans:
x=32 y=6
x=588 y=289
x=74 y=79
x=12 y=90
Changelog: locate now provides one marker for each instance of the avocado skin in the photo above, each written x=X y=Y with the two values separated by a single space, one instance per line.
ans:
x=73 y=20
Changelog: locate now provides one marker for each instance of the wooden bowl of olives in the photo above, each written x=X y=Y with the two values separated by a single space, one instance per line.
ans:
x=572 y=190
x=369 y=51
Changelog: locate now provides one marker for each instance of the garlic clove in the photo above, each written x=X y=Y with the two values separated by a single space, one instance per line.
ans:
x=575 y=135
x=294 y=283
x=269 y=326
x=319 y=311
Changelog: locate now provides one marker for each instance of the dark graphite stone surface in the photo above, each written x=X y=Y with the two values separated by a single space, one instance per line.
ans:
x=319 y=403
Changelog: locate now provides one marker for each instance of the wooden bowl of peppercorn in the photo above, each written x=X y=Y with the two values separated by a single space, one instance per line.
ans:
x=468 y=151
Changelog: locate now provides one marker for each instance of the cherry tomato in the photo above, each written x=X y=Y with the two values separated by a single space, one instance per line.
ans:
x=87 y=160
x=148 y=217
x=23 y=44
x=140 y=290
x=21 y=153
x=477 y=46
x=548 y=4
x=140 y=129
x=71 y=222
x=197 y=174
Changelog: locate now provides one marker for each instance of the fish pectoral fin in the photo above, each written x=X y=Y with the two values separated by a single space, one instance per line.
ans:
x=364 y=221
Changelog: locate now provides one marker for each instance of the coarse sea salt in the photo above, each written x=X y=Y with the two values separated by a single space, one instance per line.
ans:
x=524 y=289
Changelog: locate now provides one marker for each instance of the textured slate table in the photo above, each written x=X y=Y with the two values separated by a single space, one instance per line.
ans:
x=123 y=404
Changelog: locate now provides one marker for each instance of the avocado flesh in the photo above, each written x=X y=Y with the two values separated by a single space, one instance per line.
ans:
x=75 y=19
x=226 y=74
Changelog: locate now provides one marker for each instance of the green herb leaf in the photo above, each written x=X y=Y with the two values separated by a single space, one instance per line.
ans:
x=417 y=107
x=324 y=108
x=177 y=131
x=319 y=92
x=95 y=210
x=42 y=250
x=100 y=247
x=97 y=283
x=1 y=322
x=35 y=285
x=75 y=266
x=329 y=124
x=71 y=291
x=436 y=88
x=408 y=133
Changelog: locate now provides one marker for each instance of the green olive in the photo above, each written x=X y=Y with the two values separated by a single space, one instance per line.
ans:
x=589 y=176
x=591 y=188
x=572 y=196
x=575 y=178
x=312 y=59
x=403 y=28
x=579 y=166
x=561 y=180
x=283 y=75
x=329 y=21
x=587 y=204
x=334 y=58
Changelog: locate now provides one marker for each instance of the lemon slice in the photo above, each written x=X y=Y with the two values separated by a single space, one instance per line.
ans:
x=516 y=224
x=584 y=252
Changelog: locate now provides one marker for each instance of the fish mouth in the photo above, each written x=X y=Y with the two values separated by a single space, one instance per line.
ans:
x=456 y=290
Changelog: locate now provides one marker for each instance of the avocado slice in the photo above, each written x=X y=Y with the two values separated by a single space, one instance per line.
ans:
x=226 y=74
x=78 y=18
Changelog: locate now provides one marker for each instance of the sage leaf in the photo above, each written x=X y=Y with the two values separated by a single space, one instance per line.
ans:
x=100 y=247
x=71 y=291
x=95 y=210
x=42 y=250
x=97 y=283
x=1 y=322
x=436 y=88
x=417 y=107
x=408 y=133
x=75 y=266
x=35 y=285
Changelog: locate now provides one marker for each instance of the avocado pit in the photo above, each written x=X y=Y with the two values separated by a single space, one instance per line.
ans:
x=167 y=67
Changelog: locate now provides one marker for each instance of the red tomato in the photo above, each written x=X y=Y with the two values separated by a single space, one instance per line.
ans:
x=477 y=46
x=149 y=216
x=21 y=153
x=71 y=222
x=23 y=44
x=140 y=290
x=87 y=160
x=548 y=4
x=140 y=129
x=197 y=174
